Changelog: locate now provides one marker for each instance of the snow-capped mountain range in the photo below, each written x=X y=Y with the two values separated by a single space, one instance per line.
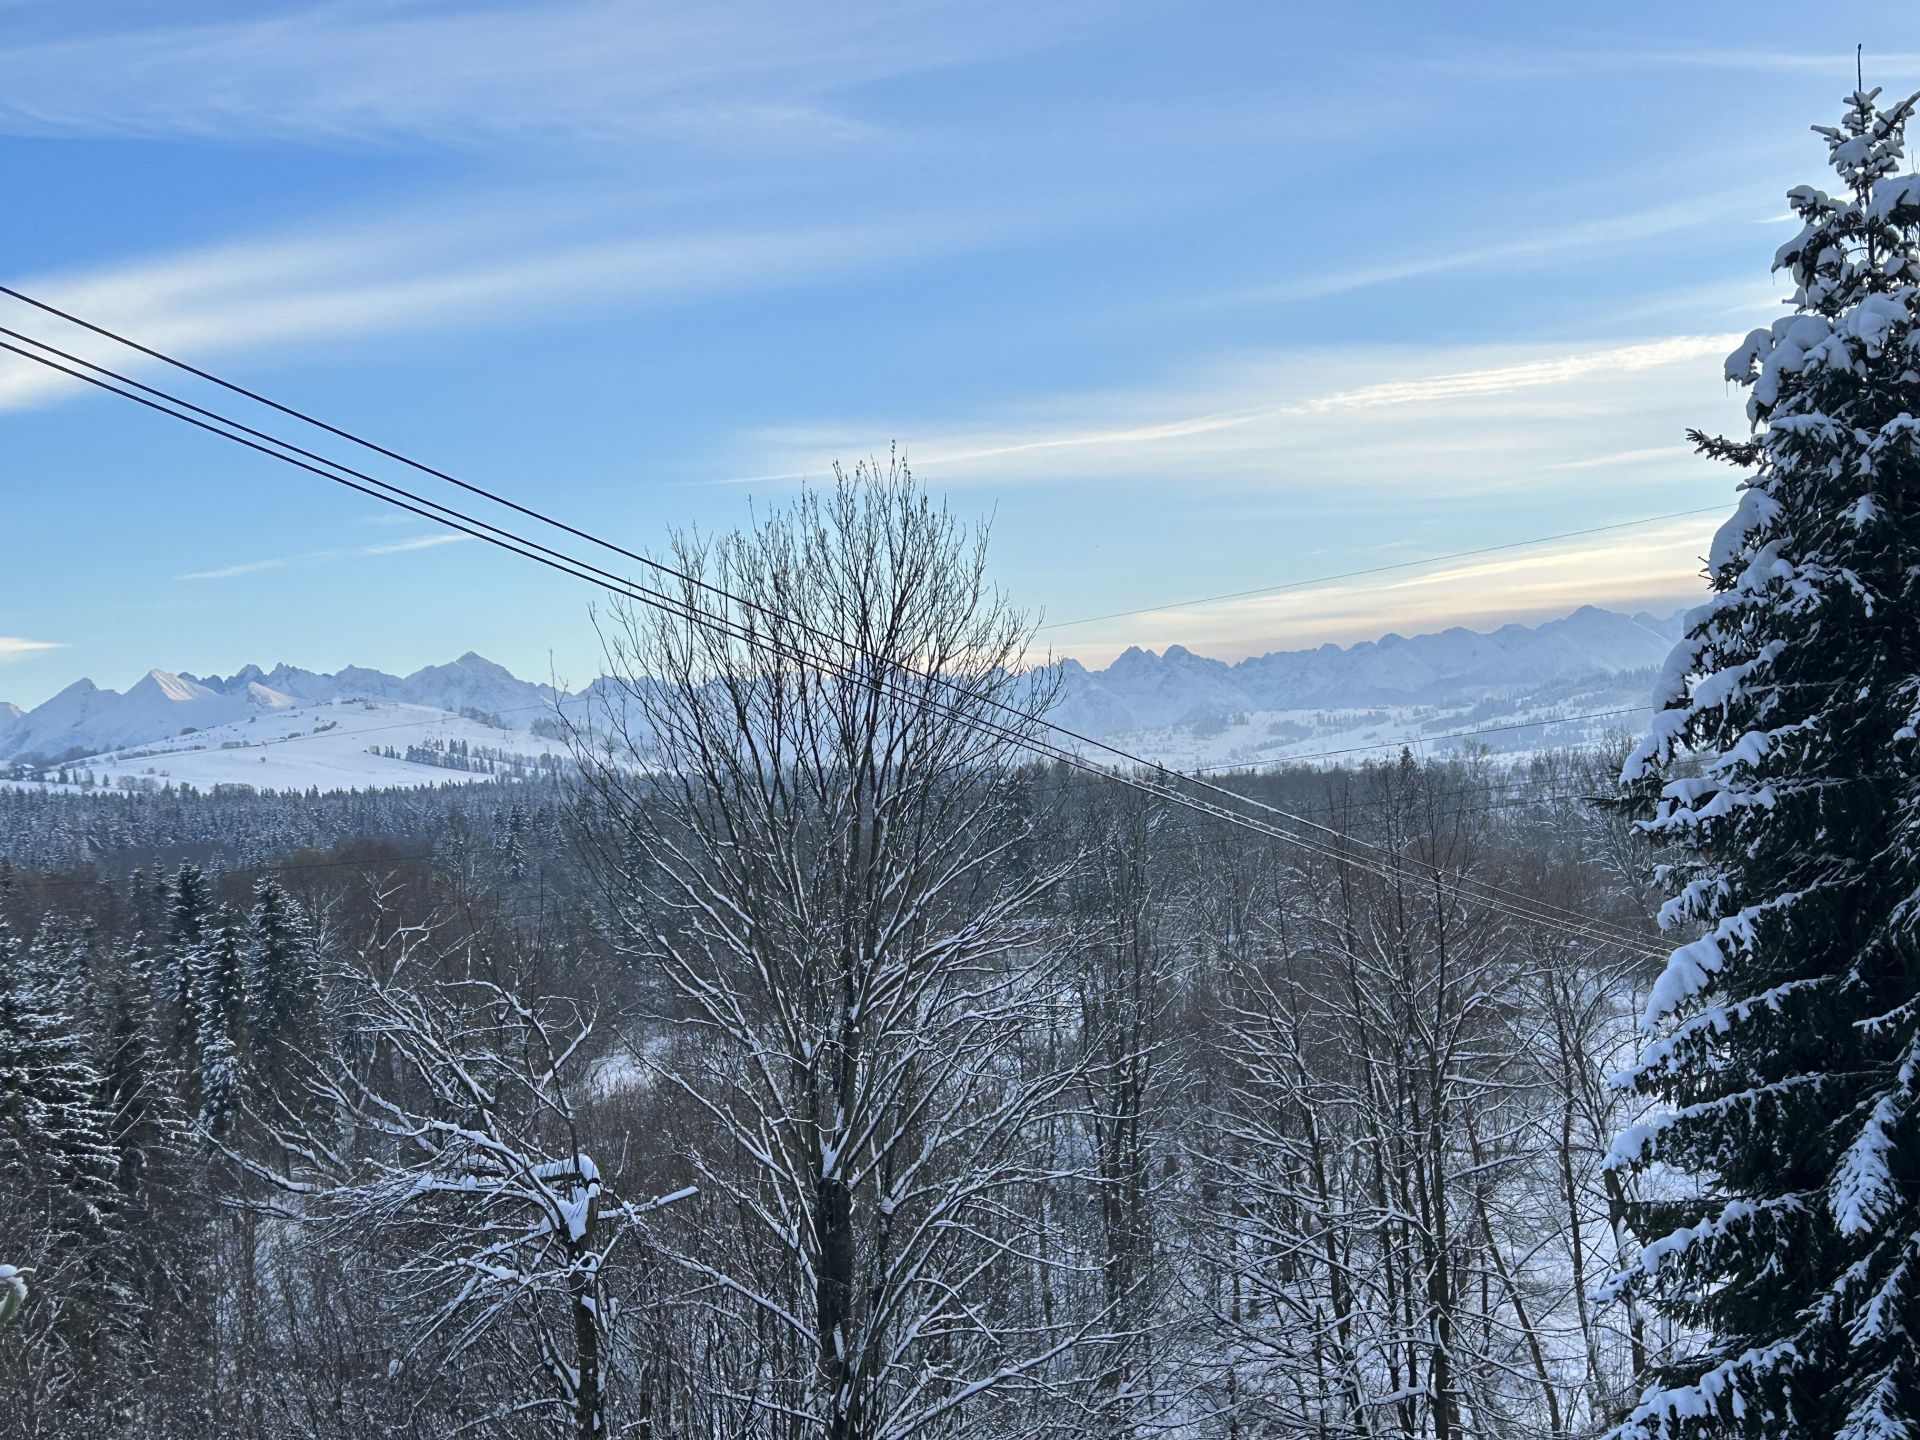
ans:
x=83 y=719
x=1144 y=691
x=1543 y=681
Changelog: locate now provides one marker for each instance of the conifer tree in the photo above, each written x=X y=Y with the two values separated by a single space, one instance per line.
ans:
x=1783 y=1044
x=282 y=974
x=189 y=911
x=189 y=905
x=219 y=1021
x=141 y=1090
x=157 y=1258
x=53 y=1133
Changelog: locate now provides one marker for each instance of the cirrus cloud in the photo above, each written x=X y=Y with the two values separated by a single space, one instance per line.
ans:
x=325 y=557
x=13 y=647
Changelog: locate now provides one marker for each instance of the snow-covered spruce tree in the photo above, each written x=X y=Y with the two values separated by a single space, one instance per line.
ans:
x=53 y=1133
x=219 y=1002
x=55 y=1164
x=1784 y=1044
x=283 y=980
x=189 y=920
x=160 y=1231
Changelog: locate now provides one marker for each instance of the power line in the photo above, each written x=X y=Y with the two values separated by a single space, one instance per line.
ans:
x=1376 y=569
x=1253 y=765
x=260 y=440
x=347 y=435
x=1516 y=904
x=580 y=534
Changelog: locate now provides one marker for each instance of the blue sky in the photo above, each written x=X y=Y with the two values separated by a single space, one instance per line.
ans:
x=1186 y=298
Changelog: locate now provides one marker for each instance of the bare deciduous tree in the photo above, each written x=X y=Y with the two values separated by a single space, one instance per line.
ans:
x=812 y=810
x=449 y=1150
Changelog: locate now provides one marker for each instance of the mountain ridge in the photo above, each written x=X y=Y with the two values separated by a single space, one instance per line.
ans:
x=1139 y=690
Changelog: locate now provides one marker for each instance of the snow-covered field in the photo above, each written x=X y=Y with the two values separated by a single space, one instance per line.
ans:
x=343 y=745
x=1514 y=691
x=1268 y=738
x=326 y=746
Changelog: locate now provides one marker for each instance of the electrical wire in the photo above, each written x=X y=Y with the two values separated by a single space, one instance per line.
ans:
x=1516 y=904
x=1519 y=906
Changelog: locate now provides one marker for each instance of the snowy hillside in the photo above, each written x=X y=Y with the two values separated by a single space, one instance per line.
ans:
x=1512 y=691
x=1526 y=687
x=84 y=720
x=339 y=745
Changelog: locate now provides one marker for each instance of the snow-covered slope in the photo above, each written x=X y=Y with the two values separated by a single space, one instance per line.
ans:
x=340 y=745
x=1513 y=691
x=84 y=718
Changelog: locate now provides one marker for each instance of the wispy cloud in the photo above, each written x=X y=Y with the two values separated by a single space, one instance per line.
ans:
x=1553 y=243
x=1523 y=375
x=1623 y=457
x=1307 y=420
x=324 y=557
x=455 y=269
x=1605 y=53
x=418 y=542
x=1498 y=431
x=1809 y=60
x=254 y=567
x=1656 y=566
x=12 y=647
x=764 y=76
